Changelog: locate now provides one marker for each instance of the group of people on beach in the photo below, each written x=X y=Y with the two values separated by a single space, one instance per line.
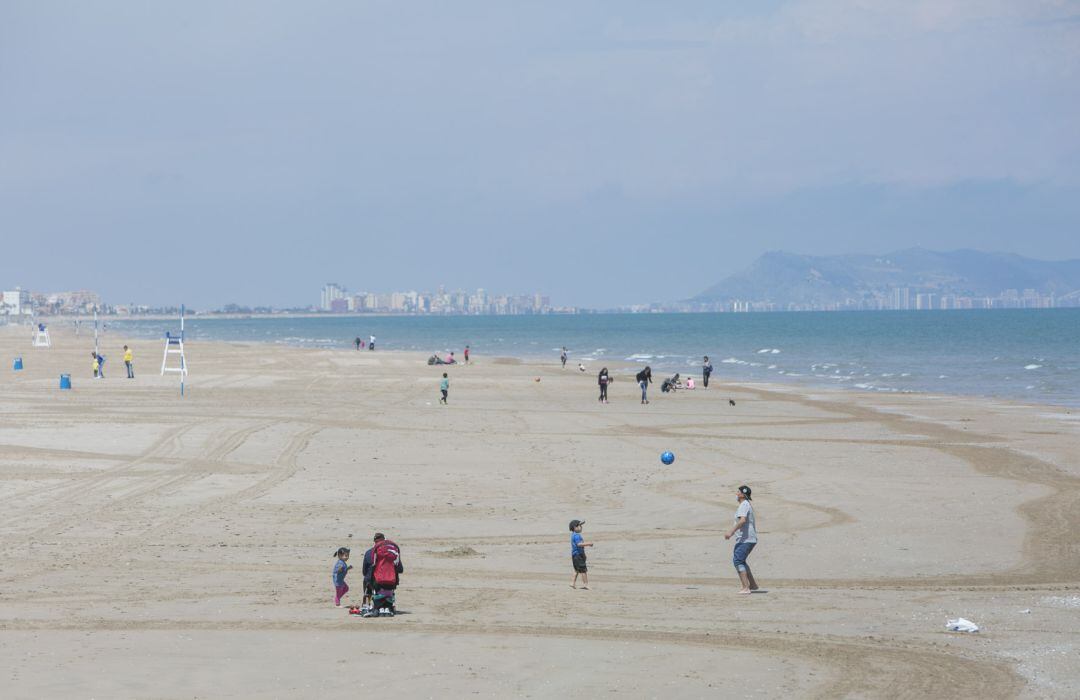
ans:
x=98 y=363
x=444 y=383
x=744 y=531
x=644 y=379
x=381 y=569
x=382 y=566
x=360 y=343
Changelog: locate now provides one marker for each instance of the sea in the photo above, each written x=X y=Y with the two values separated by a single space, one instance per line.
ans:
x=1030 y=355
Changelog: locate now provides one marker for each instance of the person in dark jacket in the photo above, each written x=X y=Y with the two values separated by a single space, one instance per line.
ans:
x=706 y=370
x=644 y=379
x=603 y=379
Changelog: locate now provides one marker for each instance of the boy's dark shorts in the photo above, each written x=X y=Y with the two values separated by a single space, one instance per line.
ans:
x=579 y=563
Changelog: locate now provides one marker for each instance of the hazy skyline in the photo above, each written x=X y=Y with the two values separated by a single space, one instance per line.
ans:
x=602 y=153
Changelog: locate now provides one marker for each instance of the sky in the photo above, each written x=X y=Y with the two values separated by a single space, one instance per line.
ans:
x=603 y=153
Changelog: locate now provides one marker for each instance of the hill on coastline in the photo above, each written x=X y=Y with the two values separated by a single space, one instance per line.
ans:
x=790 y=278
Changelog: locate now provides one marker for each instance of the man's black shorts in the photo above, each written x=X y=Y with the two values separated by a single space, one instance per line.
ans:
x=579 y=563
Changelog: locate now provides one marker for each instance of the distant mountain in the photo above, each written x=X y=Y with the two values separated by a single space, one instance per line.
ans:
x=788 y=278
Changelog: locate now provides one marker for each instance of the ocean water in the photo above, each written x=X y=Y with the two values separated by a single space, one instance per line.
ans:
x=1028 y=355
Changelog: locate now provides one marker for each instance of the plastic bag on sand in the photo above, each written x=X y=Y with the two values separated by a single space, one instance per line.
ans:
x=961 y=625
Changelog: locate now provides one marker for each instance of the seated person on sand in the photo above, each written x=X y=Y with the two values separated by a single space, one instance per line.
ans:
x=689 y=382
x=671 y=384
x=450 y=359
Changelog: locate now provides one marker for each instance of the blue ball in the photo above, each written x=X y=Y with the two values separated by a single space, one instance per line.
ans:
x=667 y=457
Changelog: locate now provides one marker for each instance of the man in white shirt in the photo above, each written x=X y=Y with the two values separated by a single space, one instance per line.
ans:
x=745 y=533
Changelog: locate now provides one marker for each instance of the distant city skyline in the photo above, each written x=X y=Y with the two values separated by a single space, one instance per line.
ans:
x=602 y=154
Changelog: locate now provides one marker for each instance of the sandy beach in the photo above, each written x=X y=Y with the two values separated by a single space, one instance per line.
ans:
x=174 y=547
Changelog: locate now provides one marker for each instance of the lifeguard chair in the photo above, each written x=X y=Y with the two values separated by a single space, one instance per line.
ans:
x=41 y=336
x=174 y=345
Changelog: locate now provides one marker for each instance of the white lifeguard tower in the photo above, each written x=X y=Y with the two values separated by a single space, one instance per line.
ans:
x=41 y=336
x=174 y=345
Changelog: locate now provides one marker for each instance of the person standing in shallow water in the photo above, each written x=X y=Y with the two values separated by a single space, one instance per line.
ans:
x=745 y=533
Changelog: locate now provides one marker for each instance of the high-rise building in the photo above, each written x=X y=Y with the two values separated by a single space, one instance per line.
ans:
x=901 y=298
x=330 y=293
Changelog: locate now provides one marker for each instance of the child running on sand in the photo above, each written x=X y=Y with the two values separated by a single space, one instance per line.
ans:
x=577 y=554
x=444 y=387
x=341 y=568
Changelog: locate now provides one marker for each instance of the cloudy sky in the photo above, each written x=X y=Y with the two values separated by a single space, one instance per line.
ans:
x=600 y=152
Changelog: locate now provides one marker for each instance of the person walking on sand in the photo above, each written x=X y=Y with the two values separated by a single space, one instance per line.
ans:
x=644 y=378
x=358 y=342
x=745 y=533
x=129 y=362
x=577 y=554
x=371 y=343
x=444 y=387
x=603 y=379
x=706 y=370
x=562 y=357
x=466 y=354
x=98 y=363
x=341 y=568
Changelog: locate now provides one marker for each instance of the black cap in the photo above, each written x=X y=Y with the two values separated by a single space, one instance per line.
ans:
x=745 y=490
x=379 y=536
x=575 y=523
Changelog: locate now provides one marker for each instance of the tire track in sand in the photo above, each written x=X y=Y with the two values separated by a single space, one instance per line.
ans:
x=864 y=667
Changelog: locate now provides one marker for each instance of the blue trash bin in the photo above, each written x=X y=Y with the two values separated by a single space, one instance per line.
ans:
x=65 y=381
x=18 y=364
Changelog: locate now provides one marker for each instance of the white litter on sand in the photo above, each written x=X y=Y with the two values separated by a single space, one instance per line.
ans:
x=961 y=625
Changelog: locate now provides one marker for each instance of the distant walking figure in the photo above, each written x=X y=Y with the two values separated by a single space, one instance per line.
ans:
x=706 y=370
x=644 y=378
x=745 y=533
x=466 y=354
x=358 y=342
x=603 y=379
x=371 y=343
x=562 y=357
x=444 y=387
x=129 y=362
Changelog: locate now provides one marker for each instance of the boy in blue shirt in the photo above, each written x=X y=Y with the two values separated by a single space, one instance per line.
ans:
x=577 y=554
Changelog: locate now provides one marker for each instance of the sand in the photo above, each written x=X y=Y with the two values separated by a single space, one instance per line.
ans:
x=159 y=546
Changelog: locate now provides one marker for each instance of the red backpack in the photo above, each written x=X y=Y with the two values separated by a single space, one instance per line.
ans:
x=384 y=562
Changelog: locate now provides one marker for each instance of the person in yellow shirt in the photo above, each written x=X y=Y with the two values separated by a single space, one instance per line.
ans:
x=96 y=364
x=128 y=360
